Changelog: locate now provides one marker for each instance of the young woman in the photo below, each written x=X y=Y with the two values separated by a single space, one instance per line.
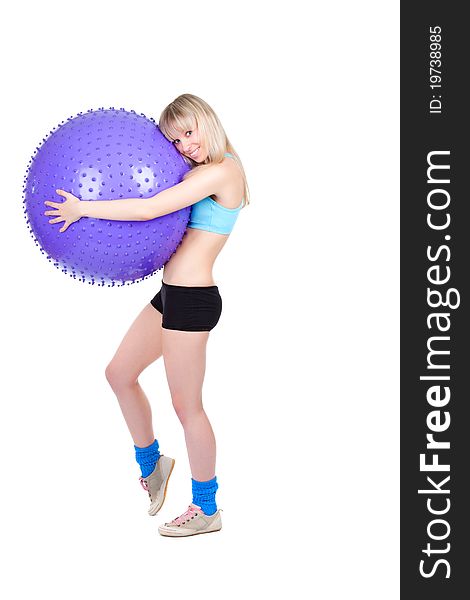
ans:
x=177 y=321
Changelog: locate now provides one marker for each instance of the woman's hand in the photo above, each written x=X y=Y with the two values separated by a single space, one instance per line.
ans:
x=68 y=210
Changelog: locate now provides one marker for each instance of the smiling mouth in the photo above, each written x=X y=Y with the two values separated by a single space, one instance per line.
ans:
x=194 y=152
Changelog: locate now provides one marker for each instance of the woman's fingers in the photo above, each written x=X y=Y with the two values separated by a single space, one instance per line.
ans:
x=61 y=209
x=64 y=194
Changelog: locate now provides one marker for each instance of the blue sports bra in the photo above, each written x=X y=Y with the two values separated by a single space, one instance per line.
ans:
x=208 y=215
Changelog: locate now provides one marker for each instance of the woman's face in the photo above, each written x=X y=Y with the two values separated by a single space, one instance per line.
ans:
x=190 y=144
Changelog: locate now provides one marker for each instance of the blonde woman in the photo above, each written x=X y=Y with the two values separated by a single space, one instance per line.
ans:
x=177 y=321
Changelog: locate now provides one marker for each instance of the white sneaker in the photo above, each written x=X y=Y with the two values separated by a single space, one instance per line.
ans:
x=192 y=522
x=156 y=483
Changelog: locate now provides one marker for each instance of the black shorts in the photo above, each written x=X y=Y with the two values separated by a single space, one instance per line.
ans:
x=188 y=308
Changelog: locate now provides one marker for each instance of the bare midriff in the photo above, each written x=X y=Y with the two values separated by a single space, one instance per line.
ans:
x=192 y=263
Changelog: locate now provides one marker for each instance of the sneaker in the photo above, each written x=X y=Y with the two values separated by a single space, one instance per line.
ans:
x=192 y=522
x=156 y=483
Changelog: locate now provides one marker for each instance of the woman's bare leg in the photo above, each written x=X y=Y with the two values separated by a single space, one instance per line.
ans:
x=184 y=355
x=140 y=347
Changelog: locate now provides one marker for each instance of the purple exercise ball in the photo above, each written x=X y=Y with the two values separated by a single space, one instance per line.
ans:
x=105 y=155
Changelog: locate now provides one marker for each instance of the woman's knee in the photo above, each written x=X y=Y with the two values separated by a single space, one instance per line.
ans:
x=186 y=408
x=118 y=376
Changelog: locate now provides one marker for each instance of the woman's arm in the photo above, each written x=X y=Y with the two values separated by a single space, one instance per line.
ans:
x=204 y=183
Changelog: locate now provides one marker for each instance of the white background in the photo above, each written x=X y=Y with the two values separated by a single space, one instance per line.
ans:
x=302 y=378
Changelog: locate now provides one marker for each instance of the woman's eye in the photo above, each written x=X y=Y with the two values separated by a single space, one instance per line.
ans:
x=188 y=133
x=176 y=142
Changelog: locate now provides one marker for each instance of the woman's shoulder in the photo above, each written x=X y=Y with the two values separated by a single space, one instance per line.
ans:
x=225 y=168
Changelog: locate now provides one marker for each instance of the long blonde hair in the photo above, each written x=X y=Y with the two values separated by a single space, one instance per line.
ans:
x=182 y=113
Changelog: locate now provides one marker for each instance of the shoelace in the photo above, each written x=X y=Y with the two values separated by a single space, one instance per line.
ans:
x=189 y=514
